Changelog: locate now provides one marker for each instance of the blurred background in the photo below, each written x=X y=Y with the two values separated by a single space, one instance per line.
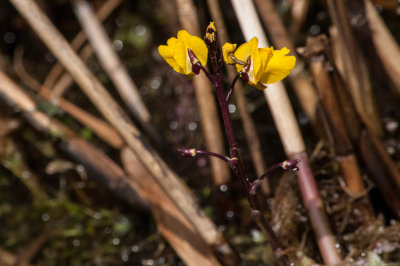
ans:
x=58 y=206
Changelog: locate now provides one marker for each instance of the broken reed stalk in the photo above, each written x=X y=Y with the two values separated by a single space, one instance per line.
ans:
x=289 y=132
x=301 y=84
x=355 y=69
x=299 y=10
x=210 y=122
x=253 y=141
x=113 y=66
x=162 y=174
x=386 y=46
x=372 y=152
x=104 y=12
x=98 y=126
x=108 y=171
x=316 y=53
x=65 y=81
x=174 y=226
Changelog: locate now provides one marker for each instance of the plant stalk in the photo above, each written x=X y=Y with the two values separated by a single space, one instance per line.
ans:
x=237 y=167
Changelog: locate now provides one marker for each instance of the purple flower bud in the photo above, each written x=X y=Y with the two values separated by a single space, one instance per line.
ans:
x=188 y=152
x=290 y=164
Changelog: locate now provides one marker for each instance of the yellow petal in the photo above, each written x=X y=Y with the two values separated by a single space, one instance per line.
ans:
x=246 y=50
x=278 y=67
x=167 y=52
x=227 y=50
x=199 y=48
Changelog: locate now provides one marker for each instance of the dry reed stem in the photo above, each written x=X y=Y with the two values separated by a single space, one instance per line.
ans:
x=381 y=166
x=289 y=132
x=104 y=11
x=386 y=46
x=341 y=140
x=175 y=227
x=315 y=52
x=66 y=81
x=354 y=69
x=253 y=141
x=7 y=258
x=98 y=126
x=299 y=9
x=108 y=170
x=301 y=84
x=113 y=66
x=163 y=175
x=210 y=122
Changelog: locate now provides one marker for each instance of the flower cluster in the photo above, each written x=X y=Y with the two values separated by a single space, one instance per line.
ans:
x=188 y=54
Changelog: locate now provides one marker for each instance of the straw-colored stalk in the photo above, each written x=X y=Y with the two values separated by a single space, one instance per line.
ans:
x=104 y=12
x=301 y=84
x=291 y=138
x=207 y=105
x=386 y=46
x=354 y=69
x=113 y=66
x=175 y=227
x=162 y=174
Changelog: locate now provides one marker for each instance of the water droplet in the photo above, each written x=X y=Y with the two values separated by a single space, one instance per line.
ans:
x=223 y=188
x=135 y=248
x=50 y=57
x=115 y=241
x=76 y=243
x=81 y=184
x=255 y=234
x=9 y=37
x=140 y=30
x=26 y=174
x=230 y=214
x=173 y=125
x=97 y=216
x=315 y=29
x=80 y=168
x=155 y=83
x=221 y=228
x=143 y=90
x=125 y=257
x=192 y=126
x=117 y=45
x=45 y=217
x=232 y=108
x=120 y=22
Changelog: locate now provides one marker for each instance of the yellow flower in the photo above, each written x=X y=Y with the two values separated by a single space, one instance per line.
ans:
x=261 y=65
x=176 y=52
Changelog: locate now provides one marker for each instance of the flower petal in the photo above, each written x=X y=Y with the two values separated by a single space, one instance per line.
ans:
x=227 y=50
x=246 y=50
x=167 y=52
x=199 y=48
x=278 y=67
